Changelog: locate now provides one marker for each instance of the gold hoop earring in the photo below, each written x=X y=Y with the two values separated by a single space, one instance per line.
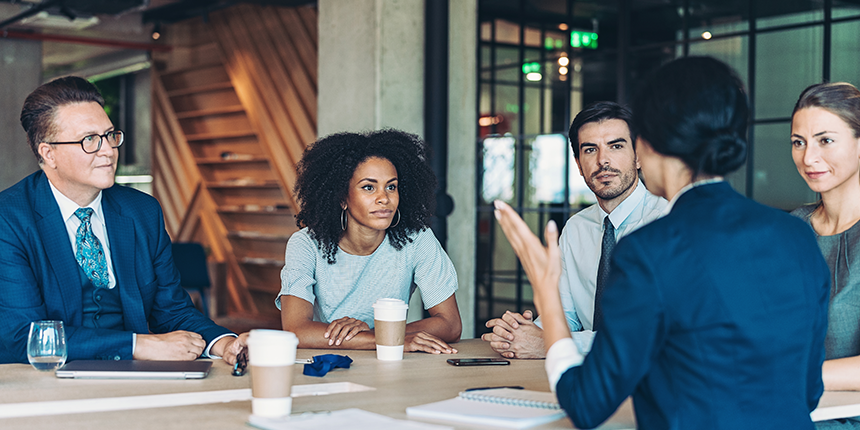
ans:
x=398 y=220
x=343 y=220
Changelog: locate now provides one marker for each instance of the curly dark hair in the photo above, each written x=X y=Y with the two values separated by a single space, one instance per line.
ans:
x=328 y=165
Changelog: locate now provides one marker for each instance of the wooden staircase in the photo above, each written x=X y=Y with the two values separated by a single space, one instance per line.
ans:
x=224 y=171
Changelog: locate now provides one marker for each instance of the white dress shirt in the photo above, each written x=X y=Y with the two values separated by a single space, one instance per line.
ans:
x=97 y=222
x=580 y=250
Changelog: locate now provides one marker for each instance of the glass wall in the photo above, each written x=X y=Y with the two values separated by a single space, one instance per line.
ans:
x=127 y=104
x=540 y=61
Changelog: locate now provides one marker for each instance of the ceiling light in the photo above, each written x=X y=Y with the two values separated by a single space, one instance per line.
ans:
x=44 y=19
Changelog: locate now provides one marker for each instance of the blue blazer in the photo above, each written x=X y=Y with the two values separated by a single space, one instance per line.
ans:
x=39 y=277
x=714 y=318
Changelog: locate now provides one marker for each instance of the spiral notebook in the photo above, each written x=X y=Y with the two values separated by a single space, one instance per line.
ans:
x=499 y=407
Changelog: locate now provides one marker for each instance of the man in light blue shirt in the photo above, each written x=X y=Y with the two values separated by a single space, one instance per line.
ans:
x=604 y=152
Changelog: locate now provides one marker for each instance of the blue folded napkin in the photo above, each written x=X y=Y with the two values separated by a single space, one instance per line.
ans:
x=324 y=363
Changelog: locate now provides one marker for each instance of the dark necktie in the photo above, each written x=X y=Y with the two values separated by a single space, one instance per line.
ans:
x=603 y=269
x=89 y=252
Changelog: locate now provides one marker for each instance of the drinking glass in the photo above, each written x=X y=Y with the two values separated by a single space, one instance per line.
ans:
x=46 y=345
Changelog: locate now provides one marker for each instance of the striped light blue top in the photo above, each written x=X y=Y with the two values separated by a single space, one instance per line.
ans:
x=351 y=285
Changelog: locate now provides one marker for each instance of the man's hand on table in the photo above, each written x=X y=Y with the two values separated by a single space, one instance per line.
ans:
x=229 y=347
x=176 y=345
x=515 y=336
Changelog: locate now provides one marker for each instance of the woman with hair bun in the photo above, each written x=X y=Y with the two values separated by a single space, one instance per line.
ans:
x=825 y=146
x=714 y=315
x=365 y=200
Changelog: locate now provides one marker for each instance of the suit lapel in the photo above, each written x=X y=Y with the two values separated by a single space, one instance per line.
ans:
x=121 y=235
x=58 y=252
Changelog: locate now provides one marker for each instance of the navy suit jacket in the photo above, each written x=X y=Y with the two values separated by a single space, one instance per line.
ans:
x=39 y=276
x=714 y=318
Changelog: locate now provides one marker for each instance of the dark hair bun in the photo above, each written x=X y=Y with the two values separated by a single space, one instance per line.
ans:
x=723 y=153
x=695 y=109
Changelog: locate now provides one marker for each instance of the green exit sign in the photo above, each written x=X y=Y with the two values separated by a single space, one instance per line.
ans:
x=533 y=67
x=583 y=39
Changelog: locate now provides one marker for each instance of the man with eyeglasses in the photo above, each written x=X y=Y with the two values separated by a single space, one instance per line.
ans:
x=76 y=247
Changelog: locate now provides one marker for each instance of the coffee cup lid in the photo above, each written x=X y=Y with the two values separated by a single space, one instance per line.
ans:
x=390 y=304
x=264 y=334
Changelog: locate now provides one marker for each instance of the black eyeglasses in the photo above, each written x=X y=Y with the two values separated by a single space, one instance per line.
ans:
x=92 y=143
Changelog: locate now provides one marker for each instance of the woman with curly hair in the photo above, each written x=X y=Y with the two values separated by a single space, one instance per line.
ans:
x=365 y=202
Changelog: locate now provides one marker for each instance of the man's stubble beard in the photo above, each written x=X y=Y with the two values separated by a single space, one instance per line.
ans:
x=627 y=178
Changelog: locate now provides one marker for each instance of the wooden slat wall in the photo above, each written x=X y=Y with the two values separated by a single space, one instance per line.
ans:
x=170 y=167
x=188 y=209
x=275 y=83
x=234 y=106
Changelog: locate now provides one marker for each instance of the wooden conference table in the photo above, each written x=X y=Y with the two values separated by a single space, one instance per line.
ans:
x=420 y=378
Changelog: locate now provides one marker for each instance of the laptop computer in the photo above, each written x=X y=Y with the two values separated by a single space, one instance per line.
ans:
x=134 y=369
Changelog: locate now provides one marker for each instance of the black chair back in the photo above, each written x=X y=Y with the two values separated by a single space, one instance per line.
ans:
x=190 y=260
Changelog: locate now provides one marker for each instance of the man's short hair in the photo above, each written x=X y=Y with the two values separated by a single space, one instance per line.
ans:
x=598 y=112
x=40 y=107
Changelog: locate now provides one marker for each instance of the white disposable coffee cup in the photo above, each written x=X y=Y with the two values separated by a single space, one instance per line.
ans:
x=389 y=317
x=271 y=356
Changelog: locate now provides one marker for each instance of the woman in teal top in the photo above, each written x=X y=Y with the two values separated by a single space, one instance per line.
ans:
x=825 y=142
x=365 y=202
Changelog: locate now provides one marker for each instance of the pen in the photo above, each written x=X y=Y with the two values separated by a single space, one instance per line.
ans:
x=241 y=362
x=515 y=387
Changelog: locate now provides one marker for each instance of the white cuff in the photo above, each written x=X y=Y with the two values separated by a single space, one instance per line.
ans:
x=206 y=353
x=133 y=343
x=562 y=355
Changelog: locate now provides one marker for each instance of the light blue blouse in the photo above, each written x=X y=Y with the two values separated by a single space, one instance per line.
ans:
x=351 y=285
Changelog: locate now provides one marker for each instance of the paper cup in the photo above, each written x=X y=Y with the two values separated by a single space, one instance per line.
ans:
x=271 y=356
x=389 y=317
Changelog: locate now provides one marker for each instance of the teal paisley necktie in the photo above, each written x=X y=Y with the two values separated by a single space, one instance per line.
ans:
x=89 y=252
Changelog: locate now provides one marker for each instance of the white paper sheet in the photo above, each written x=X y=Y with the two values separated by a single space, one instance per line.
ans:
x=329 y=388
x=354 y=419
x=59 y=407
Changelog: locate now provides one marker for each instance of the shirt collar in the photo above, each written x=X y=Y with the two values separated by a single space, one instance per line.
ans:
x=689 y=187
x=625 y=208
x=68 y=207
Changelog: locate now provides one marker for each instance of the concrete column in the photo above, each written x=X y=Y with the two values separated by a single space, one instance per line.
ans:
x=371 y=65
x=371 y=75
x=462 y=132
x=21 y=68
